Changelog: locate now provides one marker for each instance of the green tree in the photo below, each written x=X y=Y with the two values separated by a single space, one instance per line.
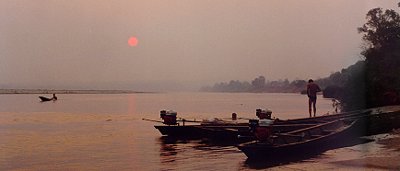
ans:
x=381 y=33
x=381 y=29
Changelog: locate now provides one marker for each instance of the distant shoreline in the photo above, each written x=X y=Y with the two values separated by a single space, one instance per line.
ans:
x=45 y=91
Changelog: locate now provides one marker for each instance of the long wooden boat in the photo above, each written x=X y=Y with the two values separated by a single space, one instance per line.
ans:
x=185 y=131
x=224 y=130
x=375 y=120
x=242 y=133
x=193 y=129
x=301 y=141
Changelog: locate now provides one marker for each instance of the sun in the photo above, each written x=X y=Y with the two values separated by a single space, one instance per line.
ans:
x=133 y=41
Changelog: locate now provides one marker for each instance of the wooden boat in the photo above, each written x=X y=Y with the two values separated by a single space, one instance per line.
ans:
x=301 y=141
x=45 y=99
x=233 y=130
x=179 y=127
x=375 y=120
x=186 y=131
x=227 y=133
x=325 y=135
x=195 y=131
x=242 y=133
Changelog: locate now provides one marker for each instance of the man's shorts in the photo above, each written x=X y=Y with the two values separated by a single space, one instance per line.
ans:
x=313 y=98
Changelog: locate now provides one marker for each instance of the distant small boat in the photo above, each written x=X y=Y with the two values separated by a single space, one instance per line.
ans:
x=45 y=99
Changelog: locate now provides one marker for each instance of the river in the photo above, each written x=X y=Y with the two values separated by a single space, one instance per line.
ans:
x=106 y=132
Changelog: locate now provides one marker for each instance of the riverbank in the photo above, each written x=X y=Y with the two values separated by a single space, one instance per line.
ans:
x=46 y=91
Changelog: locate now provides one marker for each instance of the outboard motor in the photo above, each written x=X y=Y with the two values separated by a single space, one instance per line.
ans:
x=264 y=129
x=263 y=113
x=169 y=117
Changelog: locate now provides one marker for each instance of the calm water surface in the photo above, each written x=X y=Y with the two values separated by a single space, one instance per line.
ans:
x=106 y=132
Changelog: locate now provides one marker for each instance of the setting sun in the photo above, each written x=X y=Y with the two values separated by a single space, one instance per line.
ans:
x=133 y=41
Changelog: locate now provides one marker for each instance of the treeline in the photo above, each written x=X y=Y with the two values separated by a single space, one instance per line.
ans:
x=332 y=86
x=258 y=85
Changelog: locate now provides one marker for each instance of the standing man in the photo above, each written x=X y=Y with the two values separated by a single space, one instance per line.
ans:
x=312 y=90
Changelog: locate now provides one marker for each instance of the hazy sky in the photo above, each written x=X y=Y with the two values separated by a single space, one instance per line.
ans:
x=80 y=44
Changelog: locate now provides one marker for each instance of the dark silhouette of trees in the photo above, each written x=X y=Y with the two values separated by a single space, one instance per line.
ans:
x=232 y=86
x=381 y=30
x=352 y=94
x=382 y=55
x=258 y=85
x=376 y=80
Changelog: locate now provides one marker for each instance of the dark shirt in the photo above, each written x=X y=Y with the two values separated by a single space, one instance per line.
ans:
x=312 y=89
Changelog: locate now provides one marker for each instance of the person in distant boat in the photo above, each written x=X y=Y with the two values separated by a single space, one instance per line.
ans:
x=312 y=90
x=54 y=96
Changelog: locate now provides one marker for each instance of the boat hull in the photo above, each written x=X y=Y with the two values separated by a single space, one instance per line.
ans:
x=233 y=133
x=266 y=150
x=189 y=131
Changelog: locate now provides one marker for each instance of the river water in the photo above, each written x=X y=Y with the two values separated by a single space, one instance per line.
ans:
x=106 y=132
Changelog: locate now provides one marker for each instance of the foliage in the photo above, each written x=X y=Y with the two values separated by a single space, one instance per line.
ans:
x=382 y=34
x=381 y=29
x=374 y=82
